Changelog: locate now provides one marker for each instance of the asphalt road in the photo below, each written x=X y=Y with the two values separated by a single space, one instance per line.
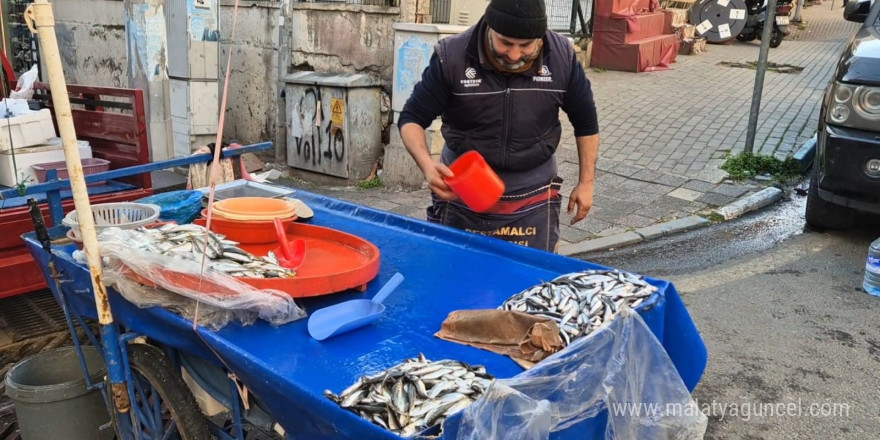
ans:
x=793 y=340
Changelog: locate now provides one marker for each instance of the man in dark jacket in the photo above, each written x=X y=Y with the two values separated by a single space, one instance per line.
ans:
x=499 y=87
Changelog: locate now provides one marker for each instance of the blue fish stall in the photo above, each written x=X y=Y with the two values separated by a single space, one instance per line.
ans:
x=281 y=374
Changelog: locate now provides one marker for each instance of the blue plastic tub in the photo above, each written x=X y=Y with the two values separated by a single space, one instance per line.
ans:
x=180 y=206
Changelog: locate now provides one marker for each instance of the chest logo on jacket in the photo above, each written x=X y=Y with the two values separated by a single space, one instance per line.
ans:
x=544 y=75
x=472 y=81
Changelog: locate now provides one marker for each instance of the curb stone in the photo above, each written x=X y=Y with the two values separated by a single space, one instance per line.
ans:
x=632 y=237
x=755 y=201
x=804 y=155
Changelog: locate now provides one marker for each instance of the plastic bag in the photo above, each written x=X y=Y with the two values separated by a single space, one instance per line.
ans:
x=125 y=259
x=620 y=368
x=180 y=206
x=24 y=88
x=206 y=315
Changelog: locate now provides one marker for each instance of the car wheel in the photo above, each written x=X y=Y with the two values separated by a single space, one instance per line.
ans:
x=825 y=215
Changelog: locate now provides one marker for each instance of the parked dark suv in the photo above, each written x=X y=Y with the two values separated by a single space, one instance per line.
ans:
x=846 y=172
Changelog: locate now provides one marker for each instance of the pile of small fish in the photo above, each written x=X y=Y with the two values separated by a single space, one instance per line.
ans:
x=414 y=395
x=580 y=302
x=190 y=242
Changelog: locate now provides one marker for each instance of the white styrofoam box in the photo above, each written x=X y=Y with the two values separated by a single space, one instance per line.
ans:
x=26 y=130
x=25 y=157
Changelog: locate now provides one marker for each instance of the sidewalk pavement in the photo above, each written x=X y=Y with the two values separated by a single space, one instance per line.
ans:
x=663 y=136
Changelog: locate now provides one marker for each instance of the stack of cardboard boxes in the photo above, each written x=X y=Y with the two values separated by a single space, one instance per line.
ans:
x=632 y=35
x=689 y=43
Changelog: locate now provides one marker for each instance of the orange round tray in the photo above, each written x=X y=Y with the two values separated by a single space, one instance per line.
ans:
x=334 y=261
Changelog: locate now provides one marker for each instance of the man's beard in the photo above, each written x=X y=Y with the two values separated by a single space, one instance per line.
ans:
x=502 y=60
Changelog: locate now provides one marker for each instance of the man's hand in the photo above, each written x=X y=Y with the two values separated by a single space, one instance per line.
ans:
x=413 y=136
x=435 y=174
x=582 y=198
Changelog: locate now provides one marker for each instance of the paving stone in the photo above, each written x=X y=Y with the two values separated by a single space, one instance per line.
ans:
x=656 y=188
x=635 y=221
x=647 y=175
x=622 y=239
x=567 y=155
x=685 y=194
x=670 y=227
x=730 y=190
x=573 y=235
x=698 y=185
x=591 y=225
x=715 y=199
x=378 y=203
x=655 y=211
x=625 y=170
x=640 y=197
x=612 y=231
x=634 y=185
x=410 y=211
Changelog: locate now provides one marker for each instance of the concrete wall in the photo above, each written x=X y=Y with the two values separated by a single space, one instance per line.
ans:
x=91 y=39
x=252 y=99
x=272 y=37
x=342 y=38
x=339 y=38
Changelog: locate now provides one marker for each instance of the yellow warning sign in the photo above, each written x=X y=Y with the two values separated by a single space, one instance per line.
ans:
x=337 y=106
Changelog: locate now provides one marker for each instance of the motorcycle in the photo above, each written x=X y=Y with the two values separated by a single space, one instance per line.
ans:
x=757 y=15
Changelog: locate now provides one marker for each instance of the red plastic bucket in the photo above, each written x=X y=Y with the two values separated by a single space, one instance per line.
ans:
x=475 y=182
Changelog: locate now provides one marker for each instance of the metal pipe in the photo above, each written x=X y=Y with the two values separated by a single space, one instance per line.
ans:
x=40 y=20
x=769 y=22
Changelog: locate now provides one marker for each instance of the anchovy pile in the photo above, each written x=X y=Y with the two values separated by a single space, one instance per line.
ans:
x=580 y=302
x=414 y=395
x=190 y=242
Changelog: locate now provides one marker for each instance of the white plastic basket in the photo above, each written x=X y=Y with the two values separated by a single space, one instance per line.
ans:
x=125 y=215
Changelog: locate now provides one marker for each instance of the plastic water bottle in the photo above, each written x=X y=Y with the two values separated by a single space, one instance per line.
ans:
x=872 y=269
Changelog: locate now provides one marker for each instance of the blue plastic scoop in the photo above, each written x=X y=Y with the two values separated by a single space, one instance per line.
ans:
x=349 y=315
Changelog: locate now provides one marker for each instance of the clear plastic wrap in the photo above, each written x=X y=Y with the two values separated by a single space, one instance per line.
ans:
x=621 y=367
x=206 y=315
x=128 y=262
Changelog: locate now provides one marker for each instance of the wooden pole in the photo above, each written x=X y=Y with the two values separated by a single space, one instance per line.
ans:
x=41 y=20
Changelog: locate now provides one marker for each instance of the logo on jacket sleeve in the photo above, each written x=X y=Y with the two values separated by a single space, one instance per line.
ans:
x=472 y=81
x=543 y=75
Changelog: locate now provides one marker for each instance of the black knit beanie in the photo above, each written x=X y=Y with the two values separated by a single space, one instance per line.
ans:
x=517 y=18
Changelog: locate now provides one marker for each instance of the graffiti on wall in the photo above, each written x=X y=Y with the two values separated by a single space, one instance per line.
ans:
x=316 y=126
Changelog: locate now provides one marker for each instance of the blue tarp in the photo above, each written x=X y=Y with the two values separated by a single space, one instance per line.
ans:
x=445 y=270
